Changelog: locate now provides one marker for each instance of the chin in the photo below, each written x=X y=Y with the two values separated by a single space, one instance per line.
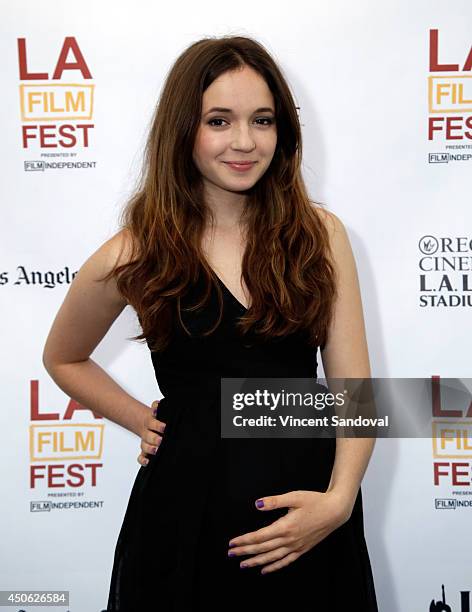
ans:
x=240 y=185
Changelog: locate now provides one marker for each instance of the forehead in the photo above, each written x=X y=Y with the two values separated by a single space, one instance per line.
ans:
x=238 y=89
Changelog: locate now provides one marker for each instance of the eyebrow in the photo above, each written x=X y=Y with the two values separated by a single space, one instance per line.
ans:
x=221 y=109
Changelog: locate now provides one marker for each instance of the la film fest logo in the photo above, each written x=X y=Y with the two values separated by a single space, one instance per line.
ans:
x=445 y=271
x=56 y=105
x=449 y=101
x=65 y=452
x=452 y=446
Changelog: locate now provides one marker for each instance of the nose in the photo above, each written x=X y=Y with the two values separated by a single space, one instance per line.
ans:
x=242 y=140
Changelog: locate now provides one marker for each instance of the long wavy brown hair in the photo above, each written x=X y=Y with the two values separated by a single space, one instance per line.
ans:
x=287 y=264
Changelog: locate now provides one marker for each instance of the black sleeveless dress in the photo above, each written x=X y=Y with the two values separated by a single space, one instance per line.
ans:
x=199 y=490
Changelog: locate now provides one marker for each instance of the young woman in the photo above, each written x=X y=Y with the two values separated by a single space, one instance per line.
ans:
x=233 y=272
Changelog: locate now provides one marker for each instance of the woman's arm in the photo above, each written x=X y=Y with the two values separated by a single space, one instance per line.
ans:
x=346 y=355
x=85 y=316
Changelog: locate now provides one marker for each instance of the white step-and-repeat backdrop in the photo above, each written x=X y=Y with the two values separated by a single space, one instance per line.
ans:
x=385 y=97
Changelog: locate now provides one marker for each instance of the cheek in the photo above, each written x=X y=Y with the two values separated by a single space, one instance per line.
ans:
x=267 y=141
x=208 y=145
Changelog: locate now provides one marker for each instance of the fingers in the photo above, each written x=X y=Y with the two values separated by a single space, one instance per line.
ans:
x=152 y=427
x=143 y=460
x=152 y=437
x=279 y=564
x=253 y=549
x=148 y=449
x=292 y=499
x=151 y=422
x=151 y=448
x=280 y=528
x=272 y=556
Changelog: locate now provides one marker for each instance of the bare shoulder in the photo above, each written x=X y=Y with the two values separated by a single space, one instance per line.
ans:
x=338 y=237
x=117 y=250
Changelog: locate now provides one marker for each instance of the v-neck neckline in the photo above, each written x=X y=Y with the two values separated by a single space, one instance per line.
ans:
x=235 y=299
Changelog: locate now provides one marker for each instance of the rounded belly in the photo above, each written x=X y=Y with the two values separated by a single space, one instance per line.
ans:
x=255 y=468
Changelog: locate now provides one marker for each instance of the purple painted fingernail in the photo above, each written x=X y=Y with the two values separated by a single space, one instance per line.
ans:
x=231 y=554
x=232 y=544
x=243 y=565
x=260 y=503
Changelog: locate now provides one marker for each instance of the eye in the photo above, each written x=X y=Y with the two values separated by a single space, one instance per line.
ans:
x=211 y=122
x=269 y=121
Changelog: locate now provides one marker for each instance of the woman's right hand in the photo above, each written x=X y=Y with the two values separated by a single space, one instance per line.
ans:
x=150 y=439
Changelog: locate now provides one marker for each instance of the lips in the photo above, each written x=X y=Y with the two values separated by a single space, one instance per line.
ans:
x=240 y=166
x=240 y=163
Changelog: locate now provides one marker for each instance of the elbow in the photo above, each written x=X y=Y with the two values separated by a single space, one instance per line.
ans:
x=47 y=363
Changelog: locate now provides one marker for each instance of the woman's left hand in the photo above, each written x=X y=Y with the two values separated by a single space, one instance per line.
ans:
x=311 y=516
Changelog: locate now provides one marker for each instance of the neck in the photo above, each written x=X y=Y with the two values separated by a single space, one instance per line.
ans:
x=226 y=207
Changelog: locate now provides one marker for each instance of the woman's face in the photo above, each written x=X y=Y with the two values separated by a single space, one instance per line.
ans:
x=242 y=129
